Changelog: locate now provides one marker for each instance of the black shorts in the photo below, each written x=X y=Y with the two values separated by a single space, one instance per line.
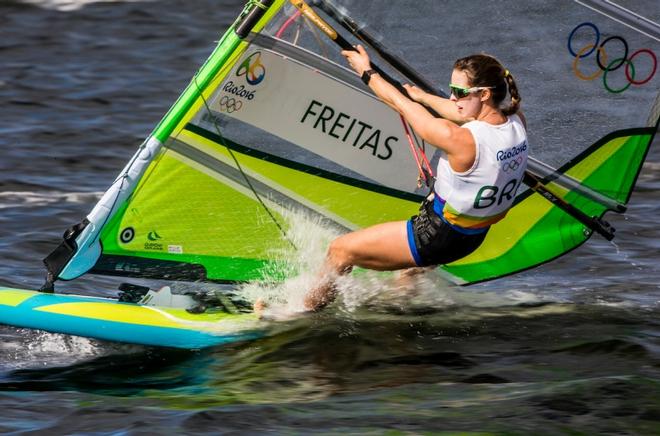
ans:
x=434 y=242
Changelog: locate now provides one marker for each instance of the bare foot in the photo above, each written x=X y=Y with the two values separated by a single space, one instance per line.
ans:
x=259 y=306
x=275 y=312
x=321 y=296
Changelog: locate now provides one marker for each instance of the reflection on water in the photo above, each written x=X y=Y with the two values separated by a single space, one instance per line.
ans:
x=553 y=365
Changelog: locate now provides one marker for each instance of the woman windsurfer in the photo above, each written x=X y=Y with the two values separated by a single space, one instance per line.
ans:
x=484 y=160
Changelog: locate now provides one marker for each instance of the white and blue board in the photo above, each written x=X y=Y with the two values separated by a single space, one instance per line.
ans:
x=111 y=320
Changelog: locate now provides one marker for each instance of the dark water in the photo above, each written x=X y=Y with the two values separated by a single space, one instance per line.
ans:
x=572 y=347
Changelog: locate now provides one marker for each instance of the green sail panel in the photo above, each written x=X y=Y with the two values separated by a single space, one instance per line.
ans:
x=175 y=215
x=189 y=210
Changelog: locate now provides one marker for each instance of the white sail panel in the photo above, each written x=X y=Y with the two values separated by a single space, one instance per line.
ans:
x=319 y=113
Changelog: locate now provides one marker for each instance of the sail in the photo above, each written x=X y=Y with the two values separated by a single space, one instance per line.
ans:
x=274 y=124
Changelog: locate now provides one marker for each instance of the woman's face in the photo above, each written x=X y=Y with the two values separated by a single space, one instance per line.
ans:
x=469 y=106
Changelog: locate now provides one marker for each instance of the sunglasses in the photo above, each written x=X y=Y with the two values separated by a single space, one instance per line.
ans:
x=461 y=91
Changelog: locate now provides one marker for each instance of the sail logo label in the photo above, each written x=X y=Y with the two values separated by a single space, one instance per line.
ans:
x=153 y=246
x=254 y=72
x=153 y=237
x=252 y=69
x=238 y=90
x=230 y=104
x=348 y=129
x=175 y=249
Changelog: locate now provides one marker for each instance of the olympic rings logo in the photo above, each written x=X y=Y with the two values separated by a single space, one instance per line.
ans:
x=601 y=59
x=253 y=70
x=512 y=165
x=230 y=104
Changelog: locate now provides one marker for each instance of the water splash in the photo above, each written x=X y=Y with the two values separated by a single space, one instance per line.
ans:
x=311 y=239
x=39 y=348
x=409 y=291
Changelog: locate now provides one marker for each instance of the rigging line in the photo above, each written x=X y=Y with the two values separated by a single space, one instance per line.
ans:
x=423 y=166
x=292 y=19
x=240 y=168
x=421 y=173
x=298 y=31
x=287 y=23
x=422 y=147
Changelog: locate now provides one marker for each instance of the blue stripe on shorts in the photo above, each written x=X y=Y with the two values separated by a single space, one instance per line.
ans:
x=411 y=244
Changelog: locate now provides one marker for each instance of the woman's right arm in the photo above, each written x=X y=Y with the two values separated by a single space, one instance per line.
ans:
x=443 y=106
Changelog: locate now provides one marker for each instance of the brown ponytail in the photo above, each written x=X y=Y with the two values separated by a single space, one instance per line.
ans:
x=514 y=106
x=485 y=70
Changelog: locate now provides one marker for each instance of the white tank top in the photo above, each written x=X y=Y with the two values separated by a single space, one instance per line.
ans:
x=482 y=195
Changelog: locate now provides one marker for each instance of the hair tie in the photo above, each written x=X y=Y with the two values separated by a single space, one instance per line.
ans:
x=506 y=73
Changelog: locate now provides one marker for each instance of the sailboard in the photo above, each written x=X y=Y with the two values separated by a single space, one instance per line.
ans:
x=274 y=124
x=129 y=322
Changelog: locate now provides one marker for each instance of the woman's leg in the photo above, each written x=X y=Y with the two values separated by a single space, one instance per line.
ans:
x=383 y=247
